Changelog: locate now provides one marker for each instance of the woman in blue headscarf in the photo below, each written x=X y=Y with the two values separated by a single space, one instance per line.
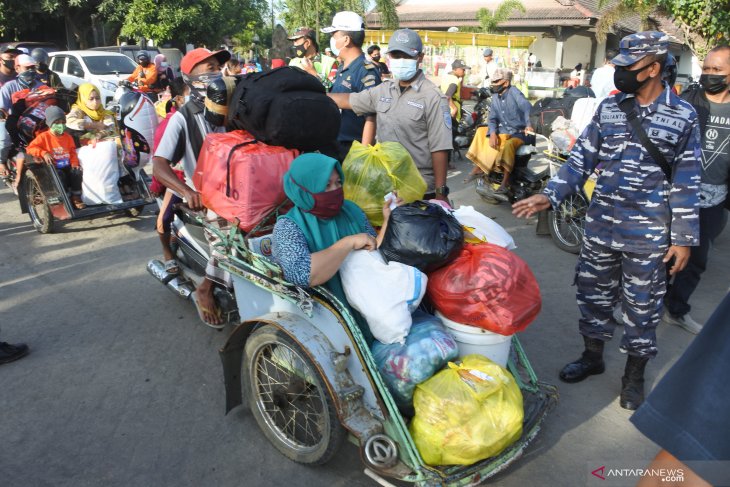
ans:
x=313 y=238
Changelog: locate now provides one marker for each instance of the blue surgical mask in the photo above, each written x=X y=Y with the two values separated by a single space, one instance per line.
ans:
x=403 y=69
x=333 y=46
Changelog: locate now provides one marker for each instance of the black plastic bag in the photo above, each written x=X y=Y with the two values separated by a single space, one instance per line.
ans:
x=422 y=235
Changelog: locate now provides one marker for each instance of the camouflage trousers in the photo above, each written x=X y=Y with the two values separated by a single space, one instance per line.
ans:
x=603 y=275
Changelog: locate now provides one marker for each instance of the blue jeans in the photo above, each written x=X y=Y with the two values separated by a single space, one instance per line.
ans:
x=712 y=222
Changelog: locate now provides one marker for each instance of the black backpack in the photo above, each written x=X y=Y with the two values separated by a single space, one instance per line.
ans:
x=545 y=111
x=286 y=107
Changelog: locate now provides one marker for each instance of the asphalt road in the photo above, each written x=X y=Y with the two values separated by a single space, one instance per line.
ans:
x=123 y=386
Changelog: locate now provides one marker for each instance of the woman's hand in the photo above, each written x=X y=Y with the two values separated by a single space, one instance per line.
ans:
x=362 y=241
x=386 y=206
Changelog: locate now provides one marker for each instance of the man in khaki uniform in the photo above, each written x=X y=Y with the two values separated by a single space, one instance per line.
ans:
x=411 y=110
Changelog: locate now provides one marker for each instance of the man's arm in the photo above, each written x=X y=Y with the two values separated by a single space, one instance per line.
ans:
x=582 y=161
x=684 y=195
x=369 y=130
x=525 y=108
x=440 y=161
x=133 y=77
x=168 y=149
x=150 y=77
x=342 y=100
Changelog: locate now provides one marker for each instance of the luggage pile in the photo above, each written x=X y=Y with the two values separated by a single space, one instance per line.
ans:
x=240 y=173
x=479 y=293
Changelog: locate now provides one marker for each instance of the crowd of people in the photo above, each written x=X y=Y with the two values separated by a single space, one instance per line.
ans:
x=662 y=162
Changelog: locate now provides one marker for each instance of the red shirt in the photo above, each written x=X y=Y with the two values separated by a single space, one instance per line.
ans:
x=61 y=147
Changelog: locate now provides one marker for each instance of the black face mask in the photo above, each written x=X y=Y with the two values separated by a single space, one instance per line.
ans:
x=42 y=67
x=9 y=64
x=714 y=83
x=375 y=58
x=496 y=89
x=627 y=81
x=299 y=51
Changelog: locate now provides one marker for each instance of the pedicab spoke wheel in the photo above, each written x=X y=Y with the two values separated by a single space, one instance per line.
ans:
x=567 y=222
x=40 y=212
x=289 y=399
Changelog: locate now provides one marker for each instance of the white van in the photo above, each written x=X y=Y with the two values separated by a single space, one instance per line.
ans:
x=103 y=69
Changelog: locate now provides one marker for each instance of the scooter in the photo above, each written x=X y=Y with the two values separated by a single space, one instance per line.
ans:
x=191 y=249
x=472 y=117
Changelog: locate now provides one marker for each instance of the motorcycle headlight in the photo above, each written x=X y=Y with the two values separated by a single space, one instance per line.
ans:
x=108 y=85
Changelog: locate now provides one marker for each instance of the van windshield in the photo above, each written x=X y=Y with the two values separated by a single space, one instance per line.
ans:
x=109 y=64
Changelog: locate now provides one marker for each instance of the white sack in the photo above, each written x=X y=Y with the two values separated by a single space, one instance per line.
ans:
x=100 y=173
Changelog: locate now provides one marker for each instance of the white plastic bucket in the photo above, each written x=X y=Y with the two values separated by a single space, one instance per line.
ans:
x=472 y=339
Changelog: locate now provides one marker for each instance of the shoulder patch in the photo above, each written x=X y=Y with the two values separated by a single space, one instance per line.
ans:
x=369 y=66
x=368 y=80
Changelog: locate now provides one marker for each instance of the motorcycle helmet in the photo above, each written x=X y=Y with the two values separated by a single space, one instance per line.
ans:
x=143 y=57
x=138 y=121
x=40 y=56
x=669 y=73
x=217 y=100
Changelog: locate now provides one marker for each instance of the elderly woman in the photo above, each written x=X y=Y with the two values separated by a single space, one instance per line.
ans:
x=88 y=114
x=313 y=238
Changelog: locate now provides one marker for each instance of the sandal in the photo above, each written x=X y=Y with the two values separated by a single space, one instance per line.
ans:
x=78 y=204
x=203 y=310
x=171 y=267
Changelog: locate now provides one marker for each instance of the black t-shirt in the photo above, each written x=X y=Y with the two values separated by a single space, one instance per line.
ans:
x=716 y=145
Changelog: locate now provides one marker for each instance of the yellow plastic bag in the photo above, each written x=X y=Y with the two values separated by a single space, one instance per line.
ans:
x=466 y=413
x=371 y=172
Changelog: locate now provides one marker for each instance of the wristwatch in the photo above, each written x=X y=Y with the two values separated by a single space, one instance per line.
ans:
x=442 y=190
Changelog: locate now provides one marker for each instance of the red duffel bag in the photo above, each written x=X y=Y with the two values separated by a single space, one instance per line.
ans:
x=486 y=286
x=241 y=178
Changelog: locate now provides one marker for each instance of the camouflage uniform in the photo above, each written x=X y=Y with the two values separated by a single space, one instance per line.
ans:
x=635 y=213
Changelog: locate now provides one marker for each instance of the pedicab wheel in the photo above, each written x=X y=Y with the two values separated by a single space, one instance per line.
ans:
x=40 y=211
x=289 y=399
x=136 y=211
x=566 y=223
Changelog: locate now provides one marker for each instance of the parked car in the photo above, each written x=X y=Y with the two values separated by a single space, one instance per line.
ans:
x=30 y=45
x=103 y=69
x=129 y=51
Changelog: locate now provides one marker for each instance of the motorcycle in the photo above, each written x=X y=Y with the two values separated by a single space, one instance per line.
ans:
x=288 y=340
x=472 y=117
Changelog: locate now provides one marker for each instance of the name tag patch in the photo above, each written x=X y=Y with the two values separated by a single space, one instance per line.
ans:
x=414 y=104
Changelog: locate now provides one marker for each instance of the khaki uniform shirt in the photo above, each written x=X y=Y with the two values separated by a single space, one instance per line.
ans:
x=418 y=118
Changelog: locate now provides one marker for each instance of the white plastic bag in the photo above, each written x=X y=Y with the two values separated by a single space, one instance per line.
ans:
x=483 y=227
x=384 y=293
x=100 y=173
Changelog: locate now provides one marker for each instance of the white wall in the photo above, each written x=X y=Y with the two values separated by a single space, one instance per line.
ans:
x=577 y=49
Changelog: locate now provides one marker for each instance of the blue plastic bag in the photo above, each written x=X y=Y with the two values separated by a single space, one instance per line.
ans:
x=428 y=348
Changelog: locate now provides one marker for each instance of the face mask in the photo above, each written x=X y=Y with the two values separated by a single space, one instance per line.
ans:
x=58 y=128
x=627 y=81
x=42 y=67
x=333 y=46
x=186 y=99
x=26 y=78
x=496 y=89
x=714 y=83
x=328 y=204
x=403 y=69
x=199 y=83
x=299 y=51
x=9 y=64
x=375 y=58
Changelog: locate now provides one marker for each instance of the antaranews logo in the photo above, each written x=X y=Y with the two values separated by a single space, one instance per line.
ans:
x=663 y=474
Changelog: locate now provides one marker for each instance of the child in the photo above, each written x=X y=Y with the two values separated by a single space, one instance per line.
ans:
x=57 y=147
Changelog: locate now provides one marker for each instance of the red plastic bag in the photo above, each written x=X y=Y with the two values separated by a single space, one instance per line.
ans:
x=255 y=184
x=486 y=286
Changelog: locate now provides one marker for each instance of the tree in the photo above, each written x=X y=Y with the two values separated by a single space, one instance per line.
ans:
x=489 y=20
x=319 y=13
x=191 y=21
x=704 y=23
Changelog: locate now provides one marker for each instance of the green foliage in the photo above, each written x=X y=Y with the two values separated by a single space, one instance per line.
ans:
x=193 y=21
x=489 y=20
x=705 y=23
x=319 y=13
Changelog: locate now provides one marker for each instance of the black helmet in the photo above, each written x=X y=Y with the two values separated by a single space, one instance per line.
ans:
x=39 y=55
x=143 y=56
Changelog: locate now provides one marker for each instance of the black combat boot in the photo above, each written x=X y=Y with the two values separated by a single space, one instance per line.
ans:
x=632 y=383
x=590 y=363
